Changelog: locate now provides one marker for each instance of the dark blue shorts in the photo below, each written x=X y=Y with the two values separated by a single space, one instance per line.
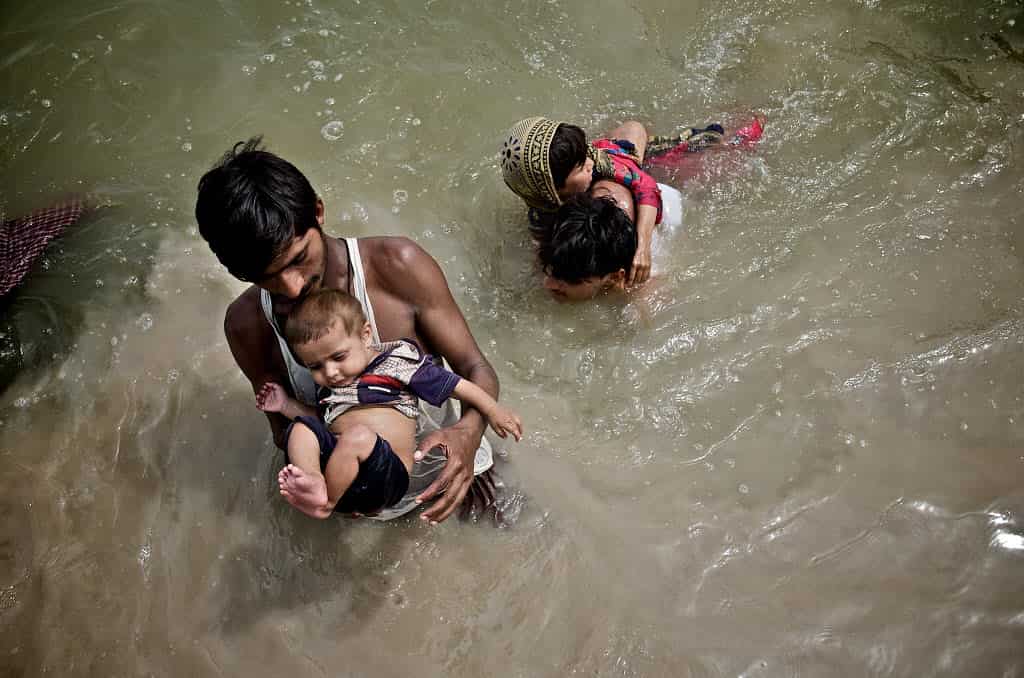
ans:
x=382 y=479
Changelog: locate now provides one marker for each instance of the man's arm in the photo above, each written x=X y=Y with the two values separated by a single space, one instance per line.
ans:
x=412 y=275
x=255 y=349
x=640 y=270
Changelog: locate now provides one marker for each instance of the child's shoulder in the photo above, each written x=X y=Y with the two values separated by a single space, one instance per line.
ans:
x=401 y=349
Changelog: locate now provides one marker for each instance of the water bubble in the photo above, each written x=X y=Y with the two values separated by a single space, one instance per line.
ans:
x=268 y=58
x=99 y=283
x=324 y=32
x=963 y=426
x=332 y=131
x=329 y=101
x=172 y=375
x=743 y=489
x=287 y=41
x=144 y=322
x=338 y=77
x=186 y=147
x=315 y=65
x=46 y=103
x=401 y=196
x=535 y=61
x=361 y=212
x=21 y=403
x=248 y=70
x=74 y=55
x=416 y=122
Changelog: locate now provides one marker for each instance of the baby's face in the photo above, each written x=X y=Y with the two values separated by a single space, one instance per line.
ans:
x=337 y=358
x=579 y=179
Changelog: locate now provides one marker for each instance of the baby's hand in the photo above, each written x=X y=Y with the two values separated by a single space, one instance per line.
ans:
x=271 y=397
x=505 y=421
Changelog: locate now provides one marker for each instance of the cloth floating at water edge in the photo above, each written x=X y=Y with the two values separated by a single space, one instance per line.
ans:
x=23 y=240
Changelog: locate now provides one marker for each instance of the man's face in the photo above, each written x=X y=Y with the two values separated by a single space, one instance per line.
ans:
x=296 y=272
x=588 y=288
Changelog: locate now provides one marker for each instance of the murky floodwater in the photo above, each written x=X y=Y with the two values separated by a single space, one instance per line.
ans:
x=800 y=452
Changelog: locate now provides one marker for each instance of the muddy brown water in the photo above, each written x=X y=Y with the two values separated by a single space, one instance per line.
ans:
x=799 y=452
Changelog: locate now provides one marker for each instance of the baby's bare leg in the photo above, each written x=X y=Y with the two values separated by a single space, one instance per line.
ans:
x=302 y=485
x=355 y=444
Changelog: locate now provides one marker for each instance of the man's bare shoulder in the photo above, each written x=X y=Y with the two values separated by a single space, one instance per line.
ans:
x=395 y=261
x=391 y=250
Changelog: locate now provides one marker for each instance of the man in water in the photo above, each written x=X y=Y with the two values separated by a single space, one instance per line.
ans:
x=263 y=220
x=591 y=243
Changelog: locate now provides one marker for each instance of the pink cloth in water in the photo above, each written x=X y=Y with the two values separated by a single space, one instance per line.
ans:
x=23 y=240
x=678 y=158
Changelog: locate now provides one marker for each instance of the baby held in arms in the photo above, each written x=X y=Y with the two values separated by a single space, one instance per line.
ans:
x=355 y=453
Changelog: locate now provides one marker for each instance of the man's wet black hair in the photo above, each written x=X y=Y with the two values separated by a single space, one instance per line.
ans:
x=588 y=237
x=568 y=149
x=251 y=206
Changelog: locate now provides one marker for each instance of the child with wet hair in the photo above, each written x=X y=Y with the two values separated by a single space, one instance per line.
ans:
x=354 y=455
x=545 y=162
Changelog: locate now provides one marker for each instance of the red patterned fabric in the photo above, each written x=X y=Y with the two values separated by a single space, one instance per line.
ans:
x=626 y=171
x=23 y=240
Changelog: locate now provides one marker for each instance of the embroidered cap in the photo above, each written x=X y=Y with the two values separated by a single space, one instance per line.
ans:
x=526 y=162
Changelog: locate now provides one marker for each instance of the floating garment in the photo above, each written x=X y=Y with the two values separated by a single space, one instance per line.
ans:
x=23 y=240
x=671 y=152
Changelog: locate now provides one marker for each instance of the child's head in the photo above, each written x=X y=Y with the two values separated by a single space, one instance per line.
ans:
x=571 y=169
x=589 y=248
x=329 y=334
x=544 y=162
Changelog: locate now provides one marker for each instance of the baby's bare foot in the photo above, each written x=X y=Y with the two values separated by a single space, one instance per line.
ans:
x=304 y=491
